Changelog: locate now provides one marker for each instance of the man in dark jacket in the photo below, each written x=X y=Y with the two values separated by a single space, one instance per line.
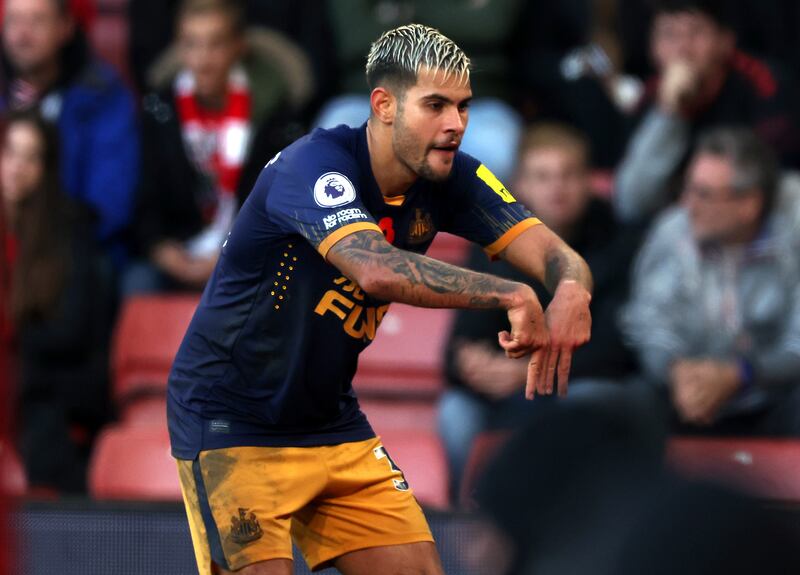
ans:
x=47 y=65
x=553 y=182
x=703 y=80
x=206 y=136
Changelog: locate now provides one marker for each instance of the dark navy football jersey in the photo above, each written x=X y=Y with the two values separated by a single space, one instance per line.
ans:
x=270 y=354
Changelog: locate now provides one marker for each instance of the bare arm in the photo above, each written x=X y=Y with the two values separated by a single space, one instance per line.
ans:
x=391 y=274
x=541 y=254
x=388 y=273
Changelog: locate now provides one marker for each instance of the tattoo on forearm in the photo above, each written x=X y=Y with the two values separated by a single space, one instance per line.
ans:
x=561 y=265
x=470 y=289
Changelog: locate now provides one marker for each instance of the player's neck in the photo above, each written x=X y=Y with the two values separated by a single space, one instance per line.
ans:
x=393 y=177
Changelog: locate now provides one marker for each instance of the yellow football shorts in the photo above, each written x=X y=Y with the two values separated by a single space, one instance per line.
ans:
x=245 y=504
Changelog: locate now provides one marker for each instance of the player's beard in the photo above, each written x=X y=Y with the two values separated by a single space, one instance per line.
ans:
x=413 y=153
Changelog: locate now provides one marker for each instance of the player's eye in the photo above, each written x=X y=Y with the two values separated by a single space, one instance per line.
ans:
x=463 y=106
x=436 y=106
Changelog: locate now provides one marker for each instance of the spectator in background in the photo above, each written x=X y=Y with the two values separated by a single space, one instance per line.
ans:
x=568 y=65
x=715 y=307
x=703 y=80
x=60 y=302
x=48 y=66
x=206 y=136
x=482 y=28
x=300 y=22
x=484 y=386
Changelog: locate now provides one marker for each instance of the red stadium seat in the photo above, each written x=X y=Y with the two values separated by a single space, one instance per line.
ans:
x=766 y=468
x=406 y=357
x=147 y=336
x=449 y=248
x=150 y=411
x=485 y=447
x=397 y=414
x=12 y=473
x=420 y=455
x=134 y=463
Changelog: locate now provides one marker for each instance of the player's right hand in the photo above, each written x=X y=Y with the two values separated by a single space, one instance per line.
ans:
x=528 y=335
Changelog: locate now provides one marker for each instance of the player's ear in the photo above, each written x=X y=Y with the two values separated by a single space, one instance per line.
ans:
x=384 y=105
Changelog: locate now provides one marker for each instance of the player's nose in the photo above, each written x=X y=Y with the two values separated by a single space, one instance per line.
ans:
x=454 y=121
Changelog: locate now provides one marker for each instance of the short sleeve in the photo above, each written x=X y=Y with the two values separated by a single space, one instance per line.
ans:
x=313 y=193
x=486 y=212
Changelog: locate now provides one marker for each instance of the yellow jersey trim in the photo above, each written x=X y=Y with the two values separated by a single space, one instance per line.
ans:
x=496 y=185
x=503 y=241
x=326 y=244
x=394 y=200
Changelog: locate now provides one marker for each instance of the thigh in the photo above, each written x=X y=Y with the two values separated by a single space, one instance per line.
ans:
x=240 y=500
x=367 y=504
x=412 y=558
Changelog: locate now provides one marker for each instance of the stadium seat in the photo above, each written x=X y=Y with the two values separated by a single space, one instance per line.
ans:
x=485 y=446
x=12 y=473
x=399 y=414
x=766 y=468
x=449 y=248
x=148 y=410
x=147 y=336
x=420 y=455
x=405 y=360
x=133 y=463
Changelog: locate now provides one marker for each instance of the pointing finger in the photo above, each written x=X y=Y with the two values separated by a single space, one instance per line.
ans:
x=564 y=364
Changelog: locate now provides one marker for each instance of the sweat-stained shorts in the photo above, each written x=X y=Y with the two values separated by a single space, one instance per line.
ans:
x=245 y=504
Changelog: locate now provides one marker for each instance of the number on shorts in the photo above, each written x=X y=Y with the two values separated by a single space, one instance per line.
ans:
x=399 y=484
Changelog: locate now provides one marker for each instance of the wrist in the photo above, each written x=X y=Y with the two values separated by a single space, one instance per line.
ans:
x=575 y=288
x=519 y=297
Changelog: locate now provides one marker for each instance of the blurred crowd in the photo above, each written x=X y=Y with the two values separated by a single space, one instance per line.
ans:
x=658 y=137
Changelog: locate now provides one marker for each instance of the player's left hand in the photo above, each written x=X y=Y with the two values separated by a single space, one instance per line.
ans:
x=570 y=325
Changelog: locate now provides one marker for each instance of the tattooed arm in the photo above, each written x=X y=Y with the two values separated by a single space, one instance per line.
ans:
x=388 y=273
x=541 y=254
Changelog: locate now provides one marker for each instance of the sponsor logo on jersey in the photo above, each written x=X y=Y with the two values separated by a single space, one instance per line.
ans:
x=333 y=190
x=347 y=303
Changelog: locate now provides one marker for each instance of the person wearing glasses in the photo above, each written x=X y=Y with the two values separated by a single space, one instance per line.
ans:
x=714 y=311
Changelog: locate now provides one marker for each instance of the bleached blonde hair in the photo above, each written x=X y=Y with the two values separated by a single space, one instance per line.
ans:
x=397 y=56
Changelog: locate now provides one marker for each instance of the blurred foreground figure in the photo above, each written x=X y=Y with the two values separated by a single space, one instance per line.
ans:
x=581 y=491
